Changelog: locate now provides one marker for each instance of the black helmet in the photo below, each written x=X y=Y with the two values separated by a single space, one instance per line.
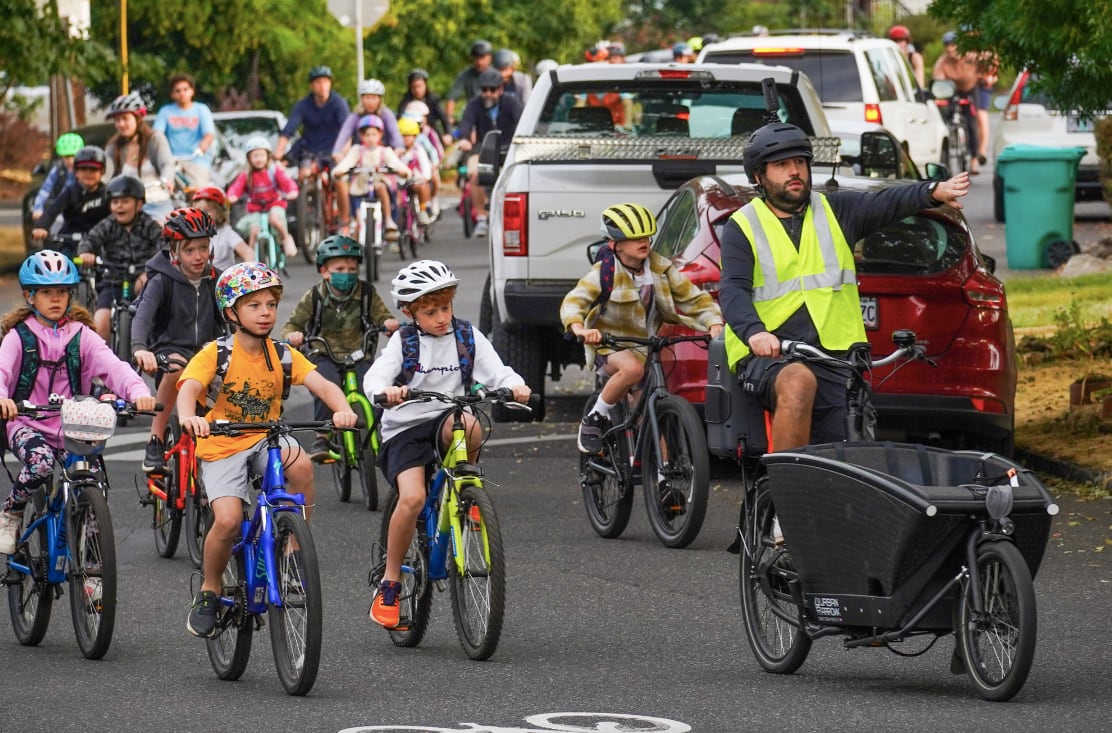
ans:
x=490 y=78
x=775 y=141
x=417 y=74
x=318 y=71
x=126 y=187
x=90 y=156
x=481 y=48
x=502 y=58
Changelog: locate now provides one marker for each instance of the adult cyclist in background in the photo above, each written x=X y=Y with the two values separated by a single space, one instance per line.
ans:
x=963 y=69
x=60 y=174
x=515 y=84
x=466 y=84
x=901 y=36
x=189 y=127
x=418 y=91
x=319 y=115
x=489 y=110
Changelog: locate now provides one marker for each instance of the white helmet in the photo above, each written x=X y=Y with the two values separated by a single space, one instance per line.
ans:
x=544 y=66
x=417 y=109
x=421 y=278
x=372 y=86
x=257 y=142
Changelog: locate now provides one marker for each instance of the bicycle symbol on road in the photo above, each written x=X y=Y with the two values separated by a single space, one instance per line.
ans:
x=553 y=723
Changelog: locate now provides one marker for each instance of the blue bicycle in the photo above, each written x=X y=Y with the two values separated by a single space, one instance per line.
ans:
x=273 y=570
x=67 y=533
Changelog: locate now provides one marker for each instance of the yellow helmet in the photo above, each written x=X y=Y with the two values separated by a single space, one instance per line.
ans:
x=628 y=221
x=407 y=126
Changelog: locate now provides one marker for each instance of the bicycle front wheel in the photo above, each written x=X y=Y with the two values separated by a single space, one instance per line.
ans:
x=367 y=473
x=167 y=517
x=676 y=473
x=606 y=496
x=230 y=650
x=196 y=517
x=92 y=573
x=998 y=644
x=30 y=597
x=341 y=476
x=415 y=599
x=295 y=625
x=773 y=620
x=310 y=220
x=478 y=574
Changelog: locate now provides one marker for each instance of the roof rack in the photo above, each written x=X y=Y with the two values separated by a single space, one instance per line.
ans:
x=848 y=33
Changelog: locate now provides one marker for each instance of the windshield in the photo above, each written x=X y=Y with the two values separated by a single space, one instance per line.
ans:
x=922 y=244
x=237 y=130
x=663 y=108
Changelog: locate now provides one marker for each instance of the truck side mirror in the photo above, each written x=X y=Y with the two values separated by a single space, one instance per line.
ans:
x=490 y=158
x=880 y=155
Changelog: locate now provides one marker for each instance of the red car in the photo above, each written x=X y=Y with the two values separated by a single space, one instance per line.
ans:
x=923 y=273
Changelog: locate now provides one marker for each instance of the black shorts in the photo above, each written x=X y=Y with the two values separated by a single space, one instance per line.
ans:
x=828 y=423
x=415 y=446
x=107 y=293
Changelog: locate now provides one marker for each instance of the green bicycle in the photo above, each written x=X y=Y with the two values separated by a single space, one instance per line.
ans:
x=354 y=460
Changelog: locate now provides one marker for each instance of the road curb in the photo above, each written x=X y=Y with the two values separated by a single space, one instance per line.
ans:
x=1062 y=469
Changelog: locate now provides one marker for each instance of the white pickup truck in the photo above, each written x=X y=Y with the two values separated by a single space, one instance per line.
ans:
x=595 y=135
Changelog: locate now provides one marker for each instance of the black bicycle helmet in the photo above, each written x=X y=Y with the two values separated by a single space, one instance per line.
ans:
x=481 y=48
x=126 y=187
x=338 y=246
x=775 y=141
x=188 y=223
x=491 y=78
x=417 y=74
x=503 y=58
x=90 y=156
x=318 y=71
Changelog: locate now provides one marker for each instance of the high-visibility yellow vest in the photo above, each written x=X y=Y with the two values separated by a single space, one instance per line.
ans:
x=820 y=275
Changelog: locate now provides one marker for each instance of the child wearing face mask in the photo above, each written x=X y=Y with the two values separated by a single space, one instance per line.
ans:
x=341 y=309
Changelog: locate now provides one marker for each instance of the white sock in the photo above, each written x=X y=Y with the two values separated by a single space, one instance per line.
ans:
x=601 y=408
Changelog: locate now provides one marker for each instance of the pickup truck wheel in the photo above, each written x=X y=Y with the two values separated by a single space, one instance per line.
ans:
x=486 y=310
x=522 y=349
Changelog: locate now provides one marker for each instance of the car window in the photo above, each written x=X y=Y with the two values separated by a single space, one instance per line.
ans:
x=922 y=244
x=677 y=225
x=884 y=75
x=905 y=78
x=833 y=73
x=648 y=109
x=237 y=130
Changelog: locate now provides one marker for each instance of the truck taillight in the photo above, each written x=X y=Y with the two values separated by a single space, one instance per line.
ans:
x=515 y=226
x=872 y=114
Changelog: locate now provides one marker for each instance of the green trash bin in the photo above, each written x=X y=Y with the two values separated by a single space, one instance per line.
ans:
x=1039 y=188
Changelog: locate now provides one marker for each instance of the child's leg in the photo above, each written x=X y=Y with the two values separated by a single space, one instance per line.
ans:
x=411 y=498
x=227 y=514
x=167 y=395
x=474 y=432
x=382 y=193
x=102 y=323
x=31 y=449
x=299 y=472
x=277 y=218
x=626 y=371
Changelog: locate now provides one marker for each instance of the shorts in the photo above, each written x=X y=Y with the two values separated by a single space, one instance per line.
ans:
x=260 y=219
x=982 y=97
x=757 y=375
x=415 y=446
x=231 y=476
x=107 y=293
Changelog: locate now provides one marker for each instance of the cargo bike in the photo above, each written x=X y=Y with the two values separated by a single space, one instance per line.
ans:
x=887 y=545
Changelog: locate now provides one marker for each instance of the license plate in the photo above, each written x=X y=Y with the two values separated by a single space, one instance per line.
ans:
x=1073 y=124
x=870 y=314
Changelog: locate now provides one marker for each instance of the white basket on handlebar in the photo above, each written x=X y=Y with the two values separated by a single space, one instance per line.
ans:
x=86 y=424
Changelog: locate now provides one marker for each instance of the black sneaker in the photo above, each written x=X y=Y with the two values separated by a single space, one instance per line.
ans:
x=154 y=461
x=202 y=617
x=591 y=431
x=322 y=449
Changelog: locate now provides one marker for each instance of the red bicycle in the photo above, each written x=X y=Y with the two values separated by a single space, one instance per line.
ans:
x=177 y=494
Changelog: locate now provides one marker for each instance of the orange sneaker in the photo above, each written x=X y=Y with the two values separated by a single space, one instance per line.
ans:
x=385 y=610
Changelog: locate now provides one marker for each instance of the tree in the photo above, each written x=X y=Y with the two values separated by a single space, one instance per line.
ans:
x=1068 y=43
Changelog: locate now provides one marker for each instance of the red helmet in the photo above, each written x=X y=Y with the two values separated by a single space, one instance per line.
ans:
x=899 y=33
x=190 y=223
x=594 y=54
x=210 y=193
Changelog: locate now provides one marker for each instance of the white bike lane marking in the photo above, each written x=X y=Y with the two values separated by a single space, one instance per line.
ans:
x=549 y=723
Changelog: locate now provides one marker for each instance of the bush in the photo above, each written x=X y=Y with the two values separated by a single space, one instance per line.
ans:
x=22 y=145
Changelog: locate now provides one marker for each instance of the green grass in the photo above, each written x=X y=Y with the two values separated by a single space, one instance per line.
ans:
x=1034 y=301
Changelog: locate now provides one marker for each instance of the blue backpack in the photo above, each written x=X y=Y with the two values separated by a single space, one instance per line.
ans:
x=411 y=350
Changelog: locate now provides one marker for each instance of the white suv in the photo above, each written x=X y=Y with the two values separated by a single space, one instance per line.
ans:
x=859 y=79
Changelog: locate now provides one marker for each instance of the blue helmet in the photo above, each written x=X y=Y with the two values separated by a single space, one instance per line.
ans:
x=48 y=269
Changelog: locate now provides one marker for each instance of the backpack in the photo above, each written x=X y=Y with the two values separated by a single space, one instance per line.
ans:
x=224 y=359
x=411 y=350
x=605 y=257
x=313 y=327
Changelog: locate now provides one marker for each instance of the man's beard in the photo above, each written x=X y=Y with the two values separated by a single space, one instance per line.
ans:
x=789 y=201
x=489 y=102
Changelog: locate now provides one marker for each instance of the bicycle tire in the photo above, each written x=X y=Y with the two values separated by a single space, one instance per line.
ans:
x=677 y=505
x=773 y=621
x=415 y=597
x=230 y=650
x=295 y=626
x=341 y=477
x=31 y=597
x=310 y=223
x=998 y=647
x=92 y=571
x=86 y=295
x=467 y=215
x=196 y=519
x=121 y=337
x=167 y=517
x=368 y=476
x=608 y=502
x=479 y=593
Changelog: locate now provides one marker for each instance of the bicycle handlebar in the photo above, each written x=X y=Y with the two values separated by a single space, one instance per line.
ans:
x=367 y=352
x=502 y=395
x=655 y=343
x=222 y=427
x=123 y=407
x=806 y=352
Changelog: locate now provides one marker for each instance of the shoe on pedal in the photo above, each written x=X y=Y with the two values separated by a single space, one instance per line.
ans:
x=9 y=531
x=391 y=234
x=385 y=609
x=202 y=616
x=322 y=449
x=591 y=430
x=481 y=228
x=425 y=217
x=154 y=460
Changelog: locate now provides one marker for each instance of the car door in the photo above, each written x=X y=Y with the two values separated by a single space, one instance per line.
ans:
x=926 y=144
x=898 y=113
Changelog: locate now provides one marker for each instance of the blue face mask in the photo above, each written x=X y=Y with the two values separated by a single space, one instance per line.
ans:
x=344 y=282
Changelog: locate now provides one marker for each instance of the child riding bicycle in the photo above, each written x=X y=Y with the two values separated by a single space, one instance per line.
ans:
x=48 y=348
x=267 y=189
x=630 y=291
x=128 y=237
x=342 y=308
x=420 y=168
x=248 y=376
x=82 y=204
x=436 y=353
x=226 y=244
x=371 y=156
x=177 y=314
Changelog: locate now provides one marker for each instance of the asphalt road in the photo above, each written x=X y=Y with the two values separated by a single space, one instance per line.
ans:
x=621 y=627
